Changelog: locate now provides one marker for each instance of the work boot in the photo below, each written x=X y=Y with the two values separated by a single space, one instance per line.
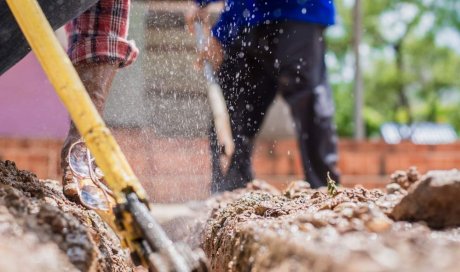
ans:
x=239 y=172
x=97 y=79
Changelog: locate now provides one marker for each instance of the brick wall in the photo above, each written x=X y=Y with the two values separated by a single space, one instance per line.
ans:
x=178 y=169
x=39 y=156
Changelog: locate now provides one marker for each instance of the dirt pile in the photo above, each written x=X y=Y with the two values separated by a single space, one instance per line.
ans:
x=41 y=230
x=255 y=229
x=301 y=229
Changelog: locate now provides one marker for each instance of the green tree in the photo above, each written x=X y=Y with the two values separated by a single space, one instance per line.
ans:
x=409 y=74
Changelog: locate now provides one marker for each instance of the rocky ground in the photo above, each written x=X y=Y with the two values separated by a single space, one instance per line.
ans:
x=41 y=230
x=300 y=229
x=410 y=226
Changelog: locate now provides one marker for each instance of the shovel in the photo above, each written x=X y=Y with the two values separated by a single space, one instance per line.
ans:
x=216 y=100
x=130 y=215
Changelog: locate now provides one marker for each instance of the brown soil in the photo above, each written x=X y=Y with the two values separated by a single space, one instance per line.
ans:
x=41 y=230
x=302 y=229
x=255 y=229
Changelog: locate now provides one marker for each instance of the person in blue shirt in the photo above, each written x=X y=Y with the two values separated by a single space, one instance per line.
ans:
x=260 y=48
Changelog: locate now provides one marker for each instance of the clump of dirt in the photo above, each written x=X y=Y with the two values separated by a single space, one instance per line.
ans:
x=302 y=229
x=41 y=230
x=432 y=199
x=402 y=180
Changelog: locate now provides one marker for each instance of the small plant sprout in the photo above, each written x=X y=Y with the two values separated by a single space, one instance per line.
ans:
x=331 y=185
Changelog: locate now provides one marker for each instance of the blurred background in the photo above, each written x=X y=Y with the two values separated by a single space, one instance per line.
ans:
x=394 y=67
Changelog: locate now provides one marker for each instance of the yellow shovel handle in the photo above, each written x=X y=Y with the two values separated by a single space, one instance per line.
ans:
x=70 y=89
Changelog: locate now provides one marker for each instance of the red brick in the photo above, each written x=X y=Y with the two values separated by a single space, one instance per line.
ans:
x=356 y=163
x=177 y=188
x=397 y=161
x=263 y=165
x=287 y=145
x=180 y=168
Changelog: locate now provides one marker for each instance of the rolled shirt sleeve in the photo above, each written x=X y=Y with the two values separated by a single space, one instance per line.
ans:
x=100 y=34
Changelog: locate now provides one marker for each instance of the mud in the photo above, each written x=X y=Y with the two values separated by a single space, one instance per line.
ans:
x=300 y=229
x=41 y=230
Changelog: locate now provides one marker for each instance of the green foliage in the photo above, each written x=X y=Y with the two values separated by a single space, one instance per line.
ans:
x=331 y=186
x=344 y=109
x=408 y=74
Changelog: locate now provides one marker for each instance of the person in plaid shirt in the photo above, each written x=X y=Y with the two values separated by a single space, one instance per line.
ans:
x=98 y=46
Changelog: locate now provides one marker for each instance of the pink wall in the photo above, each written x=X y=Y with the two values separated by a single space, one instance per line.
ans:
x=28 y=105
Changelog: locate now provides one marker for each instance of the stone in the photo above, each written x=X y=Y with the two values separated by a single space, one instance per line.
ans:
x=434 y=200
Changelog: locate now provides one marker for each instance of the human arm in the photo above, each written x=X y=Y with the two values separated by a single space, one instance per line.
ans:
x=212 y=50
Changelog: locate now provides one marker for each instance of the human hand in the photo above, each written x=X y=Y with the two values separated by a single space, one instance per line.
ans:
x=197 y=14
x=210 y=49
x=212 y=53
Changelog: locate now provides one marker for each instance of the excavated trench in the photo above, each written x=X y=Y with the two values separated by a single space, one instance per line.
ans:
x=255 y=229
x=302 y=229
x=41 y=230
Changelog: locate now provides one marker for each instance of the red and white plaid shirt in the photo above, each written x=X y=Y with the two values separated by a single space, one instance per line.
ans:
x=100 y=34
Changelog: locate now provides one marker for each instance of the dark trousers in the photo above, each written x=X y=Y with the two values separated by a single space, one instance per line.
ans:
x=285 y=58
x=13 y=45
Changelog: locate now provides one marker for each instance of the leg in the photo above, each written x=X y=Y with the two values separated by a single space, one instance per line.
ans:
x=13 y=46
x=97 y=54
x=303 y=83
x=249 y=91
x=216 y=169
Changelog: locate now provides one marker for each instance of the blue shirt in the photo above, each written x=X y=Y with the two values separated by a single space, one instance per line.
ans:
x=238 y=14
